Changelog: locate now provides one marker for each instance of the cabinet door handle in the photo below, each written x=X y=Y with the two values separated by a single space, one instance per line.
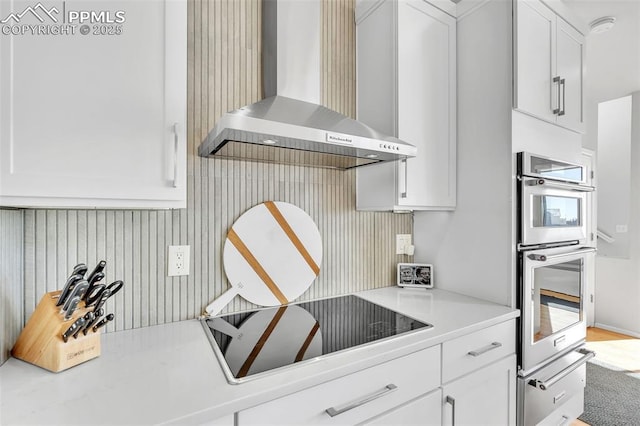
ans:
x=403 y=194
x=563 y=85
x=478 y=352
x=557 y=80
x=332 y=411
x=176 y=140
x=451 y=400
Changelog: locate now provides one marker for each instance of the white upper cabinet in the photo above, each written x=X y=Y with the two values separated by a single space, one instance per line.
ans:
x=549 y=71
x=95 y=119
x=406 y=69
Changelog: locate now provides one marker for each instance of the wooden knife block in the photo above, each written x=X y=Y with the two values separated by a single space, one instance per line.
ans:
x=41 y=344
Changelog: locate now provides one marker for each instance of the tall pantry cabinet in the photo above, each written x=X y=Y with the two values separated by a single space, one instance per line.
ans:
x=406 y=76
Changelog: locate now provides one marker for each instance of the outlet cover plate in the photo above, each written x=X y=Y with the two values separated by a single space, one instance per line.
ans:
x=178 y=261
x=402 y=242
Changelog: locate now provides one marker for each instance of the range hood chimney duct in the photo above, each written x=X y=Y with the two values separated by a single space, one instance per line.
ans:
x=289 y=126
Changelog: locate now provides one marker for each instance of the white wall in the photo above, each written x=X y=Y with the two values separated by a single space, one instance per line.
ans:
x=471 y=248
x=618 y=280
x=614 y=174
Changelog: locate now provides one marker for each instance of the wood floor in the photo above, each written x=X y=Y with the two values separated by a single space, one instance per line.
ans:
x=618 y=350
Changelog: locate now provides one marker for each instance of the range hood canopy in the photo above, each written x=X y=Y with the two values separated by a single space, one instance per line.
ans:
x=289 y=126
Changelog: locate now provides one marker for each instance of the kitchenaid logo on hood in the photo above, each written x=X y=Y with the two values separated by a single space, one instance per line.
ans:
x=332 y=137
x=62 y=19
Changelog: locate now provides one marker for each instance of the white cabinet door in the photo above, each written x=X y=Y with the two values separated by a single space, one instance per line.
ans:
x=535 y=64
x=484 y=397
x=570 y=65
x=95 y=119
x=407 y=88
x=422 y=411
x=549 y=58
x=426 y=104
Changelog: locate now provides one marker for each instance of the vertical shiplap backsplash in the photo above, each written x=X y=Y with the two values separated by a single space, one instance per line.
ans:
x=223 y=74
x=11 y=279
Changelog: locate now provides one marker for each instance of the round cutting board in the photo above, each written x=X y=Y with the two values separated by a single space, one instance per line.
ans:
x=271 y=255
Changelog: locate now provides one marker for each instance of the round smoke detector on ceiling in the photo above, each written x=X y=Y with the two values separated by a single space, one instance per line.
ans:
x=601 y=25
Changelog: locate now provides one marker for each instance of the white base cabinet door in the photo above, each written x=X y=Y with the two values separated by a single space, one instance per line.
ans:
x=94 y=116
x=406 y=61
x=484 y=397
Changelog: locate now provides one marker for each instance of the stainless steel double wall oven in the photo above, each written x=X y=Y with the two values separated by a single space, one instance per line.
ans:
x=553 y=260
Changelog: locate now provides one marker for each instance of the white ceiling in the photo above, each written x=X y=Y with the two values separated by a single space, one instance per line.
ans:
x=613 y=57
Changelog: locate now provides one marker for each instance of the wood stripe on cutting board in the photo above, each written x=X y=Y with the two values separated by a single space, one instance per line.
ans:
x=307 y=342
x=255 y=265
x=261 y=341
x=277 y=215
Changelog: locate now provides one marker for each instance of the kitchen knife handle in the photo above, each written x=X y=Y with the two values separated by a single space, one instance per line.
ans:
x=80 y=269
x=332 y=411
x=96 y=317
x=68 y=288
x=103 y=322
x=176 y=141
x=72 y=307
x=99 y=268
x=88 y=318
x=76 y=326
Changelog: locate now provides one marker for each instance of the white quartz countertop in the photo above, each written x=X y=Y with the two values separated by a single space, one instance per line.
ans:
x=170 y=374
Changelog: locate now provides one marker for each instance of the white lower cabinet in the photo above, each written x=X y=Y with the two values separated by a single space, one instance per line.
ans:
x=467 y=380
x=424 y=410
x=483 y=397
x=354 y=398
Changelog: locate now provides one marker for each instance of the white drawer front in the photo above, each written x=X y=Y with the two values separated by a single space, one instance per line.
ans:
x=370 y=392
x=423 y=411
x=467 y=353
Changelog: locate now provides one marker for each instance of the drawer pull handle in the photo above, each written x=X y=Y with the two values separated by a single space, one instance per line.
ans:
x=544 y=385
x=492 y=346
x=332 y=411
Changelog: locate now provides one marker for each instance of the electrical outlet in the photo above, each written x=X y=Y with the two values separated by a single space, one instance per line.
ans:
x=621 y=229
x=178 y=261
x=403 y=243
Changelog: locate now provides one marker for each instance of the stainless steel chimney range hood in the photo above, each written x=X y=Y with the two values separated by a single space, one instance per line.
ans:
x=289 y=126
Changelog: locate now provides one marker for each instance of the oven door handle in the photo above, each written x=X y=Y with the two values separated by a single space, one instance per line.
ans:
x=544 y=385
x=560 y=185
x=544 y=257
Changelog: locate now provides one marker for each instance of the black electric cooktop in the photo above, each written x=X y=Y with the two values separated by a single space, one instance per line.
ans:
x=251 y=343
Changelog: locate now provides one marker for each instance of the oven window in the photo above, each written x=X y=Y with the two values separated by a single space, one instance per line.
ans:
x=556 y=212
x=556 y=169
x=556 y=298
